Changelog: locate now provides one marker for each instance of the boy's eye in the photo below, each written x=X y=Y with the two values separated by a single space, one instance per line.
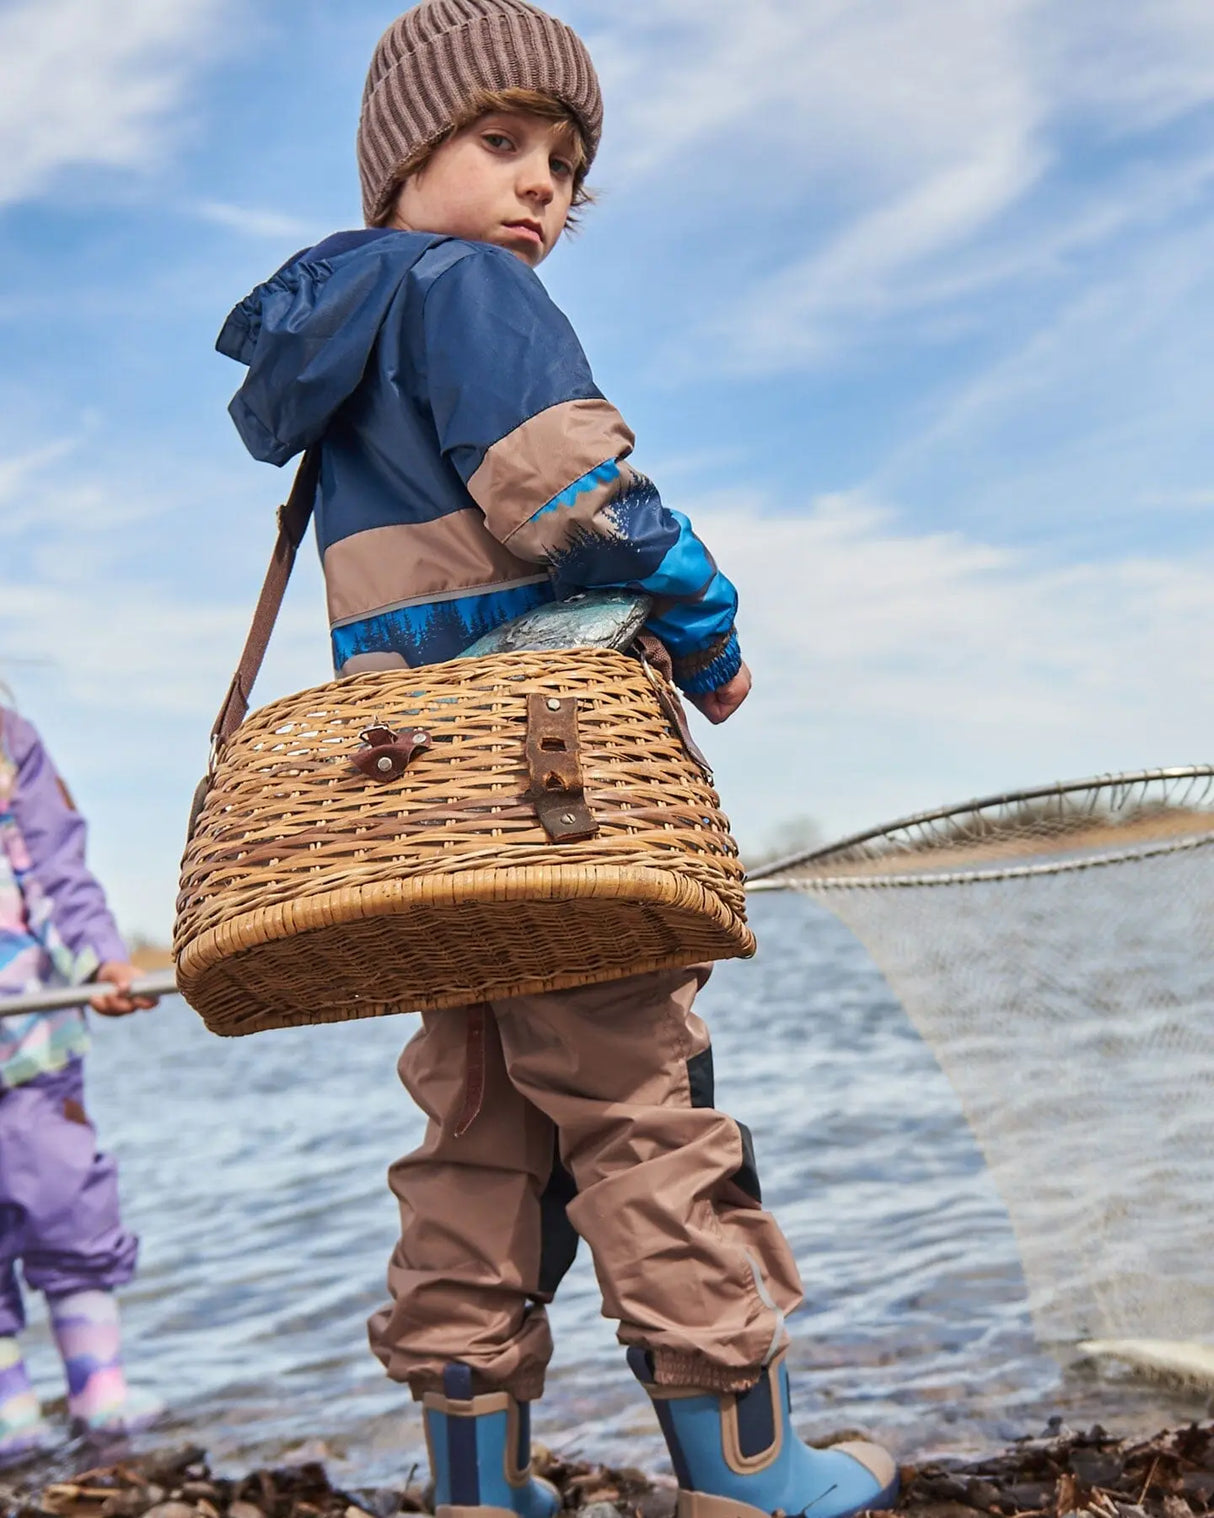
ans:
x=562 y=167
x=498 y=140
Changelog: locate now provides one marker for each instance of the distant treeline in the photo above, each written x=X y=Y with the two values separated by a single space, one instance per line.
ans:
x=799 y=835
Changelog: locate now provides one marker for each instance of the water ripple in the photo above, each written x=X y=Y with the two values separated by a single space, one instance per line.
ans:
x=255 y=1171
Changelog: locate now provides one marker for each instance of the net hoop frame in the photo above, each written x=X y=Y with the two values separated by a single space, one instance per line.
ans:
x=978 y=876
x=777 y=875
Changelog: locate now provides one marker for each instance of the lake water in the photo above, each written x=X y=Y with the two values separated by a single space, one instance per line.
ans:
x=254 y=1169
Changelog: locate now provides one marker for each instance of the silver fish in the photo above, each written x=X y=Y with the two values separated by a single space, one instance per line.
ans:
x=593 y=619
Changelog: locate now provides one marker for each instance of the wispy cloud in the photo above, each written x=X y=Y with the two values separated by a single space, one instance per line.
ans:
x=824 y=87
x=84 y=585
x=894 y=667
x=252 y=221
x=1093 y=412
x=92 y=82
x=1128 y=65
x=929 y=150
x=121 y=619
x=17 y=471
x=807 y=310
x=50 y=500
x=1179 y=500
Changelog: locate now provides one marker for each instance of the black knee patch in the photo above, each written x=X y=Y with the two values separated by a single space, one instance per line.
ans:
x=558 y=1237
x=701 y=1079
x=747 y=1178
x=457 y=1382
x=640 y=1363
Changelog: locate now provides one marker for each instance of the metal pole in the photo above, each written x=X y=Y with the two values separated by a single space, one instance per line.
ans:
x=159 y=983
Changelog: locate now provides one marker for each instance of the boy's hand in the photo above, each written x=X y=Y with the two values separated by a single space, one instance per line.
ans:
x=119 y=1002
x=720 y=704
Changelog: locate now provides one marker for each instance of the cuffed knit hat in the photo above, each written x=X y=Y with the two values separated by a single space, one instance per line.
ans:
x=431 y=63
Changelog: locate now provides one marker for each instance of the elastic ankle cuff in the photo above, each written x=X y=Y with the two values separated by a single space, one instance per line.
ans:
x=476 y=1407
x=528 y=1387
x=673 y=1367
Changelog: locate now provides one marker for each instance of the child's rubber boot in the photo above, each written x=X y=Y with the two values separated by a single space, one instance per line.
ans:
x=480 y=1453
x=89 y=1337
x=736 y=1456
x=23 y=1432
x=128 y=1413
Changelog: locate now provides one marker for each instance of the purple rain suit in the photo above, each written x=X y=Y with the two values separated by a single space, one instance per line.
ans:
x=59 y=1214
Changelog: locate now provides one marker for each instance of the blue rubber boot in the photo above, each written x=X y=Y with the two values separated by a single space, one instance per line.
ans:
x=736 y=1456
x=480 y=1453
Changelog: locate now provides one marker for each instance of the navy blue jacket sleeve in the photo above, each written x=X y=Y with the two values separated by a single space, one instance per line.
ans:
x=544 y=454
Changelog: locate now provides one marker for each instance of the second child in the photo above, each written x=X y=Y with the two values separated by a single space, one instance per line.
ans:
x=59 y=1217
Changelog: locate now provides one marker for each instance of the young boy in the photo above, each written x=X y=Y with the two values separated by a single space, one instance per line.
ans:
x=470 y=469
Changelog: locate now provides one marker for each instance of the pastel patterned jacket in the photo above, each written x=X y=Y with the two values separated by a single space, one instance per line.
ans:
x=55 y=927
x=470 y=467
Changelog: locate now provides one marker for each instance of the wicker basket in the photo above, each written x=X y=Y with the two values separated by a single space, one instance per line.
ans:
x=313 y=892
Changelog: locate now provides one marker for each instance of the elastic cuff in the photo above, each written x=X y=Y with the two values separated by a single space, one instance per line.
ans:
x=713 y=667
x=675 y=1367
x=525 y=1386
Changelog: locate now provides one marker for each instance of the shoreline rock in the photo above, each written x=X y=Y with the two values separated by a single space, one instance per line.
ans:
x=1063 y=1472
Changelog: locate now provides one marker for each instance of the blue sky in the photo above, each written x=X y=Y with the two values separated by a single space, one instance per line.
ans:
x=910 y=303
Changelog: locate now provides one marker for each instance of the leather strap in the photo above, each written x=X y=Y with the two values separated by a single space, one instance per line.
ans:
x=293 y=518
x=655 y=657
x=474 y=1069
x=554 y=763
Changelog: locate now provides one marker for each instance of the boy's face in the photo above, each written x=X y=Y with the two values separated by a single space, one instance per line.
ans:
x=507 y=179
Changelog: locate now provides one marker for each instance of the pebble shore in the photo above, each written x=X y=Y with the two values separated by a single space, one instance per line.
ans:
x=1062 y=1473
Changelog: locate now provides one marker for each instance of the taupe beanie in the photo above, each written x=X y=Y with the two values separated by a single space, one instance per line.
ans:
x=433 y=60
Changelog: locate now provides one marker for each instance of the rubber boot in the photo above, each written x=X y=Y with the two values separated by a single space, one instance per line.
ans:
x=22 y=1440
x=480 y=1453
x=23 y=1432
x=88 y=1333
x=736 y=1456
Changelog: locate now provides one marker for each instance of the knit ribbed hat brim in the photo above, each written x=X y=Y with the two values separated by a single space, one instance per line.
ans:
x=434 y=60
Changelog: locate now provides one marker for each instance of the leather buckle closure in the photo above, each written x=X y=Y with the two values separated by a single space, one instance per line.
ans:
x=554 y=764
x=386 y=754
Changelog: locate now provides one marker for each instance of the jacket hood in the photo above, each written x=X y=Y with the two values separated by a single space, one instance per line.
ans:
x=307 y=333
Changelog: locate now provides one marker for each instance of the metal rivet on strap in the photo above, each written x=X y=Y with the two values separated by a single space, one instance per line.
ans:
x=385 y=765
x=420 y=737
x=553 y=704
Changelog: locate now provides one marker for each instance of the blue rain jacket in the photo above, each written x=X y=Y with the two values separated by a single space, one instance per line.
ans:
x=470 y=467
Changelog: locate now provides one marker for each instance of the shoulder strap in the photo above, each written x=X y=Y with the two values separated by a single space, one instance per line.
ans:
x=293 y=518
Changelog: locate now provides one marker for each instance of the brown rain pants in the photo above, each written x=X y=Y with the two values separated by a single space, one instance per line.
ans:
x=597 y=1112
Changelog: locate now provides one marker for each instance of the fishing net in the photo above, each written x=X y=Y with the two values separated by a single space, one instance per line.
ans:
x=1056 y=949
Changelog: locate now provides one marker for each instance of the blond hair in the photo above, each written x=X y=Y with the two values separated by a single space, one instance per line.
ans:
x=484 y=103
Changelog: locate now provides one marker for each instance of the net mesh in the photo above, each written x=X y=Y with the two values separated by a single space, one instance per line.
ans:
x=1056 y=949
